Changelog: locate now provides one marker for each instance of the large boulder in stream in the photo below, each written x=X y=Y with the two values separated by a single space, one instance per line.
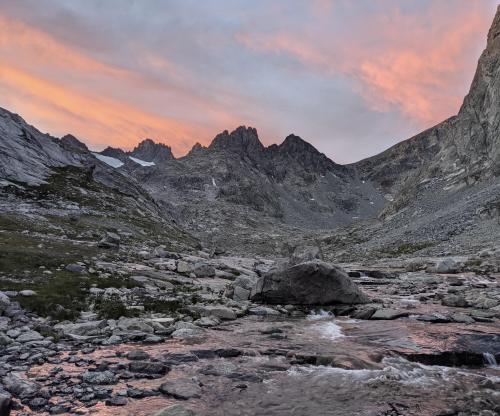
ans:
x=309 y=283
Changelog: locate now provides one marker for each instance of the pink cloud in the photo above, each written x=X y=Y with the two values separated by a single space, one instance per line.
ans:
x=416 y=64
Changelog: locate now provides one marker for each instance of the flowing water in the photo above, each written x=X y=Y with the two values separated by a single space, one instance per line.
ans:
x=322 y=365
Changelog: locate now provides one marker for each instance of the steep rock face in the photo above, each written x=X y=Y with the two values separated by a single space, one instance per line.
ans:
x=150 y=151
x=454 y=154
x=27 y=155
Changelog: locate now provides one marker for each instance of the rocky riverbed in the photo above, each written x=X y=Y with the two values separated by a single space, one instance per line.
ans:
x=424 y=340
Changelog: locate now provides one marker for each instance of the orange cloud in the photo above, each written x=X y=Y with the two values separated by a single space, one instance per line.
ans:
x=63 y=90
x=396 y=62
x=103 y=120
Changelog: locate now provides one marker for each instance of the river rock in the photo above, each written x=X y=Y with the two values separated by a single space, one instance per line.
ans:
x=310 y=283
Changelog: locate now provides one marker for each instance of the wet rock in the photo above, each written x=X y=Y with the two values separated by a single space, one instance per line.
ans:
x=98 y=377
x=182 y=389
x=435 y=318
x=363 y=313
x=310 y=283
x=175 y=410
x=388 y=314
x=109 y=241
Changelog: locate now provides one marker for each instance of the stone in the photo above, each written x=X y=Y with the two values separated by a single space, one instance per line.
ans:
x=203 y=270
x=302 y=254
x=4 y=302
x=175 y=410
x=455 y=301
x=98 y=377
x=109 y=241
x=15 y=384
x=310 y=283
x=184 y=267
x=263 y=311
x=29 y=336
x=388 y=314
x=221 y=312
x=27 y=293
x=148 y=367
x=134 y=324
x=447 y=266
x=137 y=355
x=76 y=268
x=182 y=389
x=38 y=403
x=116 y=401
x=462 y=318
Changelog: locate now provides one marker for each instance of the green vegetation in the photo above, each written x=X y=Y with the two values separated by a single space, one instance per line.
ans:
x=112 y=307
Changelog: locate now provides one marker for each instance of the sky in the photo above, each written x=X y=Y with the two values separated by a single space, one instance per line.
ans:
x=350 y=77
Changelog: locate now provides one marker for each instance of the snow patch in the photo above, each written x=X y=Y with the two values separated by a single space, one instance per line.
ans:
x=141 y=162
x=213 y=183
x=111 y=161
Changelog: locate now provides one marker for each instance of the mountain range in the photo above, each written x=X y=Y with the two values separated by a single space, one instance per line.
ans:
x=237 y=194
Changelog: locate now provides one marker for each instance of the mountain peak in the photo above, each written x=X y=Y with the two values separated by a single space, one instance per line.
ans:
x=72 y=142
x=241 y=140
x=150 y=151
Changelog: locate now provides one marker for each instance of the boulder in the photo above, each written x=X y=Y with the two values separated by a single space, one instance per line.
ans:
x=310 y=283
x=446 y=266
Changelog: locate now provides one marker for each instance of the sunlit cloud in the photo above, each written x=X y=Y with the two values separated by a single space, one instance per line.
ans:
x=410 y=67
x=350 y=77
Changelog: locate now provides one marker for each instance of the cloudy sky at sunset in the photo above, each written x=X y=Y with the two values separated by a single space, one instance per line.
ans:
x=351 y=77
